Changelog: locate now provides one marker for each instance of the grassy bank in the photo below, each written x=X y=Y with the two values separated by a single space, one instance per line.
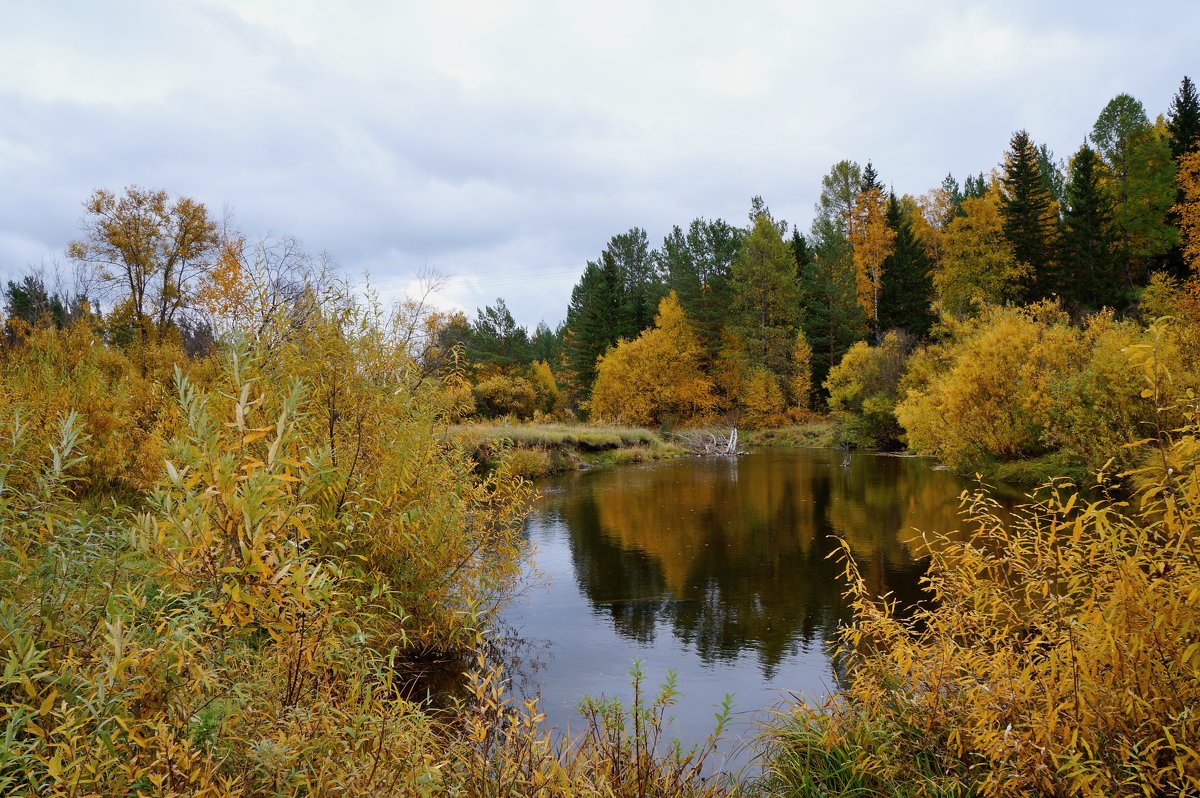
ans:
x=536 y=450
x=815 y=434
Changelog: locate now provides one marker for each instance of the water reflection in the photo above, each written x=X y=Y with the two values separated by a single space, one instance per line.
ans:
x=732 y=556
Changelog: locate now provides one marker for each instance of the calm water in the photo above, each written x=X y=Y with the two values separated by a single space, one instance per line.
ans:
x=717 y=569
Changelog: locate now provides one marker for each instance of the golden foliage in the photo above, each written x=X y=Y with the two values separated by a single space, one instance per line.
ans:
x=656 y=377
x=1017 y=383
x=873 y=242
x=1060 y=655
x=246 y=626
x=1188 y=209
x=976 y=264
x=761 y=400
x=801 y=381
x=863 y=389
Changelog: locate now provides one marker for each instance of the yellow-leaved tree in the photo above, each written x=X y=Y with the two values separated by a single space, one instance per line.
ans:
x=977 y=264
x=873 y=242
x=1188 y=208
x=655 y=378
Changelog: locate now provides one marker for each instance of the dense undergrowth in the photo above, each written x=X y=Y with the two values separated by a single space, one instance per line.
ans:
x=229 y=574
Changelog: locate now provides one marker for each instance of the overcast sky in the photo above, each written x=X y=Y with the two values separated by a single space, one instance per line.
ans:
x=502 y=144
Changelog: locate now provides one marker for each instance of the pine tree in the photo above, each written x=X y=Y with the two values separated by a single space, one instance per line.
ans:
x=696 y=267
x=592 y=321
x=497 y=340
x=643 y=286
x=766 y=310
x=870 y=179
x=801 y=250
x=1030 y=218
x=907 y=276
x=1090 y=267
x=1183 y=119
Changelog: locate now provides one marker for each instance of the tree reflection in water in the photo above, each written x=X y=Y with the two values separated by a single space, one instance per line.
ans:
x=733 y=555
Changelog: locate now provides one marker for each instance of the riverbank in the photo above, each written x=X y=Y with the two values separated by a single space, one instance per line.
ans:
x=538 y=450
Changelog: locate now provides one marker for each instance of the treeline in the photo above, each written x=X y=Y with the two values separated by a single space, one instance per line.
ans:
x=761 y=314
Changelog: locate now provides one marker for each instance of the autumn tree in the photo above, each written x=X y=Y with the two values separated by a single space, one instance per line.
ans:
x=839 y=189
x=656 y=377
x=800 y=384
x=146 y=249
x=872 y=242
x=1188 y=209
x=977 y=263
x=1029 y=214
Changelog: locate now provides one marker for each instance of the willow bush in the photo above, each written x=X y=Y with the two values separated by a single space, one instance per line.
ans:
x=1059 y=656
x=247 y=616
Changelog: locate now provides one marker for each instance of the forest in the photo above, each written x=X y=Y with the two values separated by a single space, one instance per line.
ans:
x=241 y=535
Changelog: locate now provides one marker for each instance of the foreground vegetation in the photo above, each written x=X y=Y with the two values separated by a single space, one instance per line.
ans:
x=1060 y=654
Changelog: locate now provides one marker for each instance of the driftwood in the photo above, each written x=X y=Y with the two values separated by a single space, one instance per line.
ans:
x=706 y=442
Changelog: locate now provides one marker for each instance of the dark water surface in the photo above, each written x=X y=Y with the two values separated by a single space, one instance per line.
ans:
x=717 y=569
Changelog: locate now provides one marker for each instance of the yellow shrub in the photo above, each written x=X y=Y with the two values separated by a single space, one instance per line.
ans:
x=761 y=400
x=1059 y=655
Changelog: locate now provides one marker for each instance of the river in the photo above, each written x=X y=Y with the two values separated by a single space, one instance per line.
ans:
x=717 y=569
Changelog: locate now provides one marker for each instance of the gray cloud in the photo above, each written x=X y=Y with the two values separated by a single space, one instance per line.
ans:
x=503 y=143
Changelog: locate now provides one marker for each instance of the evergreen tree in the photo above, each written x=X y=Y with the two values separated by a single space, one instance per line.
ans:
x=907 y=277
x=546 y=344
x=643 y=286
x=1183 y=119
x=801 y=250
x=954 y=197
x=1029 y=215
x=1140 y=182
x=497 y=340
x=758 y=208
x=870 y=179
x=975 y=188
x=1183 y=128
x=832 y=317
x=696 y=267
x=766 y=309
x=593 y=321
x=1090 y=266
x=1052 y=175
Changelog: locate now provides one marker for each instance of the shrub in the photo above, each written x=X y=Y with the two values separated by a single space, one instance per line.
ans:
x=505 y=395
x=1059 y=655
x=863 y=389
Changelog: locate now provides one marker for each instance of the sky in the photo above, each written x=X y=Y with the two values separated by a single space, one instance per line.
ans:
x=501 y=144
